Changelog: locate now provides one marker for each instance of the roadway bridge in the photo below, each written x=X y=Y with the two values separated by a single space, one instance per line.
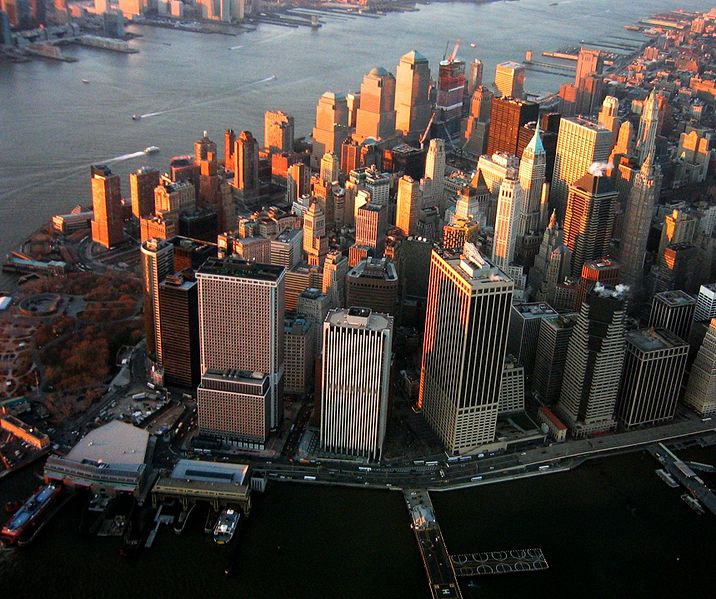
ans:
x=499 y=562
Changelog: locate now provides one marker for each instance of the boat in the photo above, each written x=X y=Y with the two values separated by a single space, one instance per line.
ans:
x=226 y=526
x=693 y=503
x=30 y=512
x=667 y=478
x=473 y=45
x=151 y=150
x=136 y=117
x=181 y=521
x=85 y=81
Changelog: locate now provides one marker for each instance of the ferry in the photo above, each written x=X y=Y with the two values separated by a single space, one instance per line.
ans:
x=30 y=512
x=693 y=503
x=667 y=478
x=226 y=526
x=151 y=150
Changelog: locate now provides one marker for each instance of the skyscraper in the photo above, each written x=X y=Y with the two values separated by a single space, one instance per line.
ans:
x=330 y=166
x=278 y=131
x=315 y=242
x=376 y=115
x=580 y=144
x=674 y=311
x=157 y=263
x=450 y=96
x=373 y=283
x=603 y=270
x=507 y=116
x=524 y=332
x=107 y=225
x=298 y=182
x=241 y=321
x=648 y=126
x=507 y=222
x=609 y=116
x=412 y=102
x=532 y=172
x=335 y=269
x=510 y=79
x=355 y=381
x=706 y=303
x=465 y=340
x=551 y=354
x=435 y=171
x=653 y=369
x=331 y=127
x=408 y=205
x=701 y=389
x=179 y=329
x=679 y=227
x=141 y=188
x=588 y=226
x=474 y=75
x=594 y=364
x=246 y=165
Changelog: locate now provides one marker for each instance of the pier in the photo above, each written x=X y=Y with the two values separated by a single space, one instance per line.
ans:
x=684 y=475
x=499 y=562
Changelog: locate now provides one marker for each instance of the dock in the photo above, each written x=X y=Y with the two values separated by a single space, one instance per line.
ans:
x=442 y=578
x=499 y=562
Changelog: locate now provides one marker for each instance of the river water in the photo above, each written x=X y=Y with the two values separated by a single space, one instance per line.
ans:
x=610 y=528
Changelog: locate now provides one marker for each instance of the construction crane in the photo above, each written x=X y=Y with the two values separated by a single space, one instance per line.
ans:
x=425 y=134
x=453 y=54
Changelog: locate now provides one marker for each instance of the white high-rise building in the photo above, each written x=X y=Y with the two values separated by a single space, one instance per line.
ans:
x=335 y=269
x=706 y=303
x=533 y=167
x=506 y=223
x=329 y=167
x=157 y=263
x=435 y=171
x=355 y=382
x=466 y=326
x=701 y=388
x=241 y=327
x=412 y=100
x=408 y=205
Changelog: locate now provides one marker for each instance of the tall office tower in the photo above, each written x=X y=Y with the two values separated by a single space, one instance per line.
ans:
x=371 y=226
x=580 y=144
x=376 y=115
x=300 y=352
x=314 y=305
x=588 y=80
x=588 y=62
x=315 y=242
x=604 y=271
x=355 y=378
x=408 y=205
x=278 y=131
x=331 y=127
x=172 y=198
x=701 y=389
x=552 y=342
x=373 y=283
x=107 y=225
x=240 y=301
x=330 y=166
x=654 y=366
x=679 y=227
x=524 y=332
x=624 y=144
x=676 y=269
x=551 y=239
x=674 y=311
x=506 y=222
x=335 y=269
x=350 y=155
x=593 y=368
x=512 y=387
x=609 y=116
x=694 y=157
x=229 y=143
x=352 y=105
x=179 y=328
x=648 y=126
x=203 y=148
x=451 y=94
x=157 y=263
x=532 y=178
x=706 y=303
x=435 y=171
x=412 y=100
x=507 y=116
x=474 y=75
x=637 y=221
x=246 y=165
x=591 y=204
x=378 y=184
x=298 y=182
x=466 y=326
x=141 y=188
x=477 y=123
x=510 y=79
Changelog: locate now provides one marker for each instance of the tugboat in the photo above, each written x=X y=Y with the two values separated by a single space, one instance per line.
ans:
x=30 y=512
x=693 y=503
x=226 y=526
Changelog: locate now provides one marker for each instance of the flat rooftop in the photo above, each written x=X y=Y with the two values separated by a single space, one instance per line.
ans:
x=651 y=339
x=676 y=297
x=214 y=472
x=113 y=443
x=235 y=267
x=359 y=317
x=476 y=273
x=534 y=310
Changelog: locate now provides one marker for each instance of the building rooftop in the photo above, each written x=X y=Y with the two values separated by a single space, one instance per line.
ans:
x=296 y=326
x=359 y=317
x=374 y=268
x=534 y=310
x=235 y=267
x=473 y=267
x=601 y=264
x=651 y=339
x=676 y=297
x=113 y=443
x=211 y=472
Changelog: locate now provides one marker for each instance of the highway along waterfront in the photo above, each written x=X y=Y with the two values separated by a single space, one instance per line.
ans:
x=610 y=527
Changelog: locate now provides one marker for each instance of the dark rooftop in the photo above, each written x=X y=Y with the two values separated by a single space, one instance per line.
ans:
x=234 y=267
